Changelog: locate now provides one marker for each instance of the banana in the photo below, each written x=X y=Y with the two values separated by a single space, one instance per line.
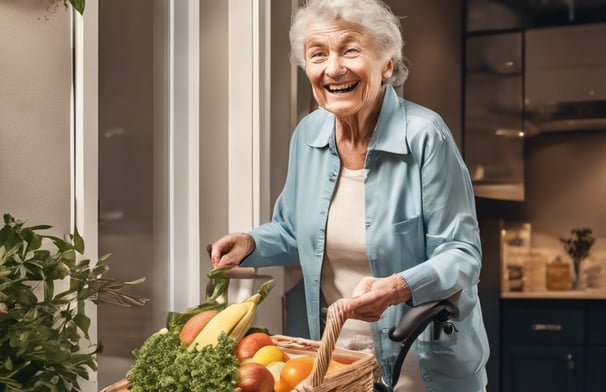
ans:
x=224 y=321
x=235 y=320
x=240 y=329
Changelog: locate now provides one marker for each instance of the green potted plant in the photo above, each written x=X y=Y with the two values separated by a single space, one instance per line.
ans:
x=578 y=247
x=45 y=286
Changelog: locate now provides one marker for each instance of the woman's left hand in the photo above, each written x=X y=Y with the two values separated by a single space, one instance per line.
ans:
x=372 y=296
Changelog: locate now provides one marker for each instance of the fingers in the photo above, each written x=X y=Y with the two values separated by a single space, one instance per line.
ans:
x=229 y=250
x=366 y=307
x=372 y=296
x=363 y=286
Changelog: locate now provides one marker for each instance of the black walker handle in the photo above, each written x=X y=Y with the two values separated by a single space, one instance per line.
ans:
x=414 y=322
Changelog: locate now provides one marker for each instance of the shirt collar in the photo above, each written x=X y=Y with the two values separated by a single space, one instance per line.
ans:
x=390 y=133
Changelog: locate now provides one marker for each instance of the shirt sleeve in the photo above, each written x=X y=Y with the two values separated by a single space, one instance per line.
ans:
x=452 y=239
x=275 y=241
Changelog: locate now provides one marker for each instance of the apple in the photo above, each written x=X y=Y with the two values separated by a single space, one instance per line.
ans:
x=249 y=344
x=255 y=377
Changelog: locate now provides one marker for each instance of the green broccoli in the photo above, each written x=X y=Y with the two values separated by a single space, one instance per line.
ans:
x=162 y=364
x=156 y=354
x=212 y=369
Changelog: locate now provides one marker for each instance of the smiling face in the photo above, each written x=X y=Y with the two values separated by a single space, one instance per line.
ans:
x=344 y=68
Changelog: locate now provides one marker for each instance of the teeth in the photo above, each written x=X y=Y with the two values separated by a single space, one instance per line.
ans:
x=341 y=87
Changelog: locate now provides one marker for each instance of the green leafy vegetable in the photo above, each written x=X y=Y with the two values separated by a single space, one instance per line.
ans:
x=162 y=364
x=44 y=287
x=152 y=359
x=216 y=299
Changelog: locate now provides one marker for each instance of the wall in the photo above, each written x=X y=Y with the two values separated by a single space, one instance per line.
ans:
x=35 y=86
x=35 y=119
x=566 y=187
x=432 y=32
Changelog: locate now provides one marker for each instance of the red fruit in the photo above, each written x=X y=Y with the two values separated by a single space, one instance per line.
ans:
x=255 y=377
x=248 y=346
x=194 y=325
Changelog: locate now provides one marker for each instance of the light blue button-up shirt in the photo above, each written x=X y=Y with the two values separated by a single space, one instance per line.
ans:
x=420 y=223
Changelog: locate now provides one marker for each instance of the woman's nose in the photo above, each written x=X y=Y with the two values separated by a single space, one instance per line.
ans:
x=334 y=66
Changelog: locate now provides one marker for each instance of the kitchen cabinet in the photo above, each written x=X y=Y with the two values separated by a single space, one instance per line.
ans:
x=553 y=345
x=499 y=15
x=596 y=368
x=565 y=93
x=596 y=353
x=494 y=123
x=555 y=368
x=530 y=68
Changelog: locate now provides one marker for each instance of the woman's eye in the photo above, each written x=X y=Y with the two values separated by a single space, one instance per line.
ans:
x=352 y=51
x=317 y=56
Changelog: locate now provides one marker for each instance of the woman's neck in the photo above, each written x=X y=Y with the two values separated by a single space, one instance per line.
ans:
x=352 y=137
x=357 y=129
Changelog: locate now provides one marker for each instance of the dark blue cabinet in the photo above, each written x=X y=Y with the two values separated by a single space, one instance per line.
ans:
x=530 y=368
x=553 y=345
x=596 y=369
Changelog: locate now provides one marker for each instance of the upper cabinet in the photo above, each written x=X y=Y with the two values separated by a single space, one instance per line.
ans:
x=565 y=79
x=494 y=124
x=530 y=67
x=495 y=15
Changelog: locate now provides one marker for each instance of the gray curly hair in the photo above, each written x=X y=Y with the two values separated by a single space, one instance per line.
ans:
x=373 y=15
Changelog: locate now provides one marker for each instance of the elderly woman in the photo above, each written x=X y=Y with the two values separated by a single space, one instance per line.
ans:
x=377 y=206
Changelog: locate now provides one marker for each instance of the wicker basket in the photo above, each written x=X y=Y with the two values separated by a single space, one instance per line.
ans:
x=358 y=376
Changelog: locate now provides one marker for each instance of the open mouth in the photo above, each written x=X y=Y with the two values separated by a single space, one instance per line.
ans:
x=341 y=88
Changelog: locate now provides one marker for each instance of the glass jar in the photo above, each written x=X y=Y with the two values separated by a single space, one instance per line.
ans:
x=557 y=276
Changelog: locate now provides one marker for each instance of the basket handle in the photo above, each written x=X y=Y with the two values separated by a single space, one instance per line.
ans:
x=335 y=319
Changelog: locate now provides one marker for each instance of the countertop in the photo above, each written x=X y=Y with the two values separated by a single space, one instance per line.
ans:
x=588 y=293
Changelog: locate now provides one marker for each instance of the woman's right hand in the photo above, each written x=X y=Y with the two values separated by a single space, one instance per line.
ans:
x=230 y=250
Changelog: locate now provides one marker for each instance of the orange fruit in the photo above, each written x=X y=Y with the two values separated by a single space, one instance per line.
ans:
x=282 y=386
x=285 y=356
x=334 y=365
x=296 y=370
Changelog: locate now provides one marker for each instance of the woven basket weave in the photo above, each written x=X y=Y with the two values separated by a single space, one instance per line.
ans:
x=358 y=376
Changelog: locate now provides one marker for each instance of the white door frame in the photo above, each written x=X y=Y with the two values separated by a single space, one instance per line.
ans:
x=85 y=144
x=184 y=129
x=248 y=132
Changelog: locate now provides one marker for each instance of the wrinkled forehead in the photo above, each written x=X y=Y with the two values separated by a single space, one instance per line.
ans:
x=336 y=32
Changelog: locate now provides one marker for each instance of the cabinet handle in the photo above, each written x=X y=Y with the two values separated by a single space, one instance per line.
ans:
x=546 y=327
x=570 y=362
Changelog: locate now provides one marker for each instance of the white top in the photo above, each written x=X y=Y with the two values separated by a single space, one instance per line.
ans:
x=346 y=263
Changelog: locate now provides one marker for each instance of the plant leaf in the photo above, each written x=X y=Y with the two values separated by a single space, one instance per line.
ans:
x=78 y=5
x=78 y=241
x=83 y=323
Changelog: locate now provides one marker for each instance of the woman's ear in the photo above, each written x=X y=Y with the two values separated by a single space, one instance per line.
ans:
x=388 y=70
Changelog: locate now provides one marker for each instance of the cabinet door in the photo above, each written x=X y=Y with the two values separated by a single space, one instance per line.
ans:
x=494 y=143
x=531 y=368
x=596 y=365
x=565 y=93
